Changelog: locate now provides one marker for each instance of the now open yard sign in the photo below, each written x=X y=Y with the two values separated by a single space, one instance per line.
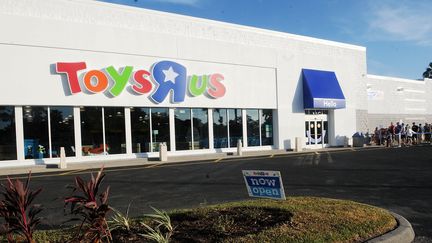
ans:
x=264 y=183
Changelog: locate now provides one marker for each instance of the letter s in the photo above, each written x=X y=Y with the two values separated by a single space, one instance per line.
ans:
x=216 y=88
x=144 y=85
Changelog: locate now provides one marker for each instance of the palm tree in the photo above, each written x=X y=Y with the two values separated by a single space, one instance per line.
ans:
x=428 y=72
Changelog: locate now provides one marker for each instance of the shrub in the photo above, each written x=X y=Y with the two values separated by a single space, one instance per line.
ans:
x=91 y=206
x=120 y=220
x=163 y=230
x=17 y=209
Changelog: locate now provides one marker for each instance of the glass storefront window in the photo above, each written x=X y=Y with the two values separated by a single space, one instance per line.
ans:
x=267 y=127
x=183 y=133
x=200 y=128
x=36 y=142
x=7 y=133
x=115 y=134
x=62 y=130
x=235 y=126
x=160 y=127
x=92 y=131
x=253 y=129
x=220 y=128
x=140 y=126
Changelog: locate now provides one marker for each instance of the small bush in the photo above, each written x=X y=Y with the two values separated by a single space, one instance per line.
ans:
x=120 y=220
x=163 y=230
x=91 y=206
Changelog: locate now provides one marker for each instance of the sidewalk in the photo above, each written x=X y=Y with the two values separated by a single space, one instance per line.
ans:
x=74 y=166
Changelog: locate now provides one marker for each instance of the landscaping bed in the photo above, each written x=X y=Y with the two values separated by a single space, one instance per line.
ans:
x=298 y=219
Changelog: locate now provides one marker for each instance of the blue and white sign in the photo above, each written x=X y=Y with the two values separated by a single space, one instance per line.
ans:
x=265 y=184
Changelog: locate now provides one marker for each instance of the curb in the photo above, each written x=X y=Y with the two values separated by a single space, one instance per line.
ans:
x=404 y=233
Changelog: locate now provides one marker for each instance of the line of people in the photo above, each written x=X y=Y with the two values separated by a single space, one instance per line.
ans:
x=402 y=134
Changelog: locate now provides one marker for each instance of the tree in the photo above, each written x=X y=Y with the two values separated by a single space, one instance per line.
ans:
x=428 y=72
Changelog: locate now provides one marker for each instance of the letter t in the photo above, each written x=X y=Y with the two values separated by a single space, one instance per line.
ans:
x=71 y=70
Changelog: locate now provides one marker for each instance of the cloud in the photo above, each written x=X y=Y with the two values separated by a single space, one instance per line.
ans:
x=180 y=2
x=404 y=21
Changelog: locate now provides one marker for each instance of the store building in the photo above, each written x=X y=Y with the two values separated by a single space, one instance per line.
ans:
x=112 y=82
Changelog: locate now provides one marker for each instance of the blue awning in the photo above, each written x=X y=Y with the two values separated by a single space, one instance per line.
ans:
x=321 y=90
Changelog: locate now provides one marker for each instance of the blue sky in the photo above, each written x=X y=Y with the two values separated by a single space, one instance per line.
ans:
x=396 y=33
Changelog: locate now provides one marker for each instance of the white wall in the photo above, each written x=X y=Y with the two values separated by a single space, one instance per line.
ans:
x=393 y=99
x=262 y=68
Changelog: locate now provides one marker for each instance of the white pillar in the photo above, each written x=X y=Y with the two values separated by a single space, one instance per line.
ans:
x=19 y=130
x=128 y=130
x=172 y=129
x=244 y=123
x=77 y=131
x=239 y=148
x=62 y=164
x=210 y=128
x=163 y=153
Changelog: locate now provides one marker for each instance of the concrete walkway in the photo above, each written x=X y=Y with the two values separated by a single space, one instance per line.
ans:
x=172 y=159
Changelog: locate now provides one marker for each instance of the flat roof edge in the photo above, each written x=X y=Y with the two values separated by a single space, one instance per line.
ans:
x=217 y=23
x=420 y=81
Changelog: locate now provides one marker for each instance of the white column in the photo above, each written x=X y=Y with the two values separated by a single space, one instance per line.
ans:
x=228 y=128
x=151 y=131
x=210 y=128
x=49 y=133
x=19 y=130
x=244 y=123
x=172 y=129
x=77 y=131
x=260 y=125
x=103 y=131
x=128 y=130
x=191 y=128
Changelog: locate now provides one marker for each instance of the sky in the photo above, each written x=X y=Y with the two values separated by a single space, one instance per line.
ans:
x=396 y=33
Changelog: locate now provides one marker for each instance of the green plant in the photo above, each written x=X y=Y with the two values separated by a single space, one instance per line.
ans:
x=163 y=230
x=87 y=203
x=17 y=209
x=120 y=220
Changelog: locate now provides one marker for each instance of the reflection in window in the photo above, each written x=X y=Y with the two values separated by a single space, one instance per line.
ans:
x=115 y=134
x=36 y=143
x=160 y=127
x=200 y=128
x=325 y=132
x=253 y=129
x=220 y=128
x=267 y=127
x=183 y=134
x=7 y=133
x=62 y=130
x=140 y=125
x=91 y=131
x=235 y=126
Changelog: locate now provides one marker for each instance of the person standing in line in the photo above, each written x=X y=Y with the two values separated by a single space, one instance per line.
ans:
x=426 y=130
x=414 y=129
x=403 y=133
x=397 y=131
x=376 y=136
x=409 y=134
x=420 y=134
x=391 y=133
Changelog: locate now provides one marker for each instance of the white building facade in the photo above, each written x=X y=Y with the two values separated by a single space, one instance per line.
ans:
x=112 y=82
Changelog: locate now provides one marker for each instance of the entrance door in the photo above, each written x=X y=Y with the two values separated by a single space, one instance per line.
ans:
x=316 y=131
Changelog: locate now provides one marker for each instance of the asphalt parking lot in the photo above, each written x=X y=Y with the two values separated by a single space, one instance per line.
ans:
x=398 y=179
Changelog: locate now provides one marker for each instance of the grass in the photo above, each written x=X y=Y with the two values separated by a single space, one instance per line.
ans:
x=298 y=219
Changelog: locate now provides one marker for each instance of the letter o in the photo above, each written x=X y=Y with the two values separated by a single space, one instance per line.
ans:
x=102 y=81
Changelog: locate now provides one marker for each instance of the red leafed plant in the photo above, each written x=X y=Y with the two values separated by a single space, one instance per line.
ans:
x=92 y=208
x=17 y=209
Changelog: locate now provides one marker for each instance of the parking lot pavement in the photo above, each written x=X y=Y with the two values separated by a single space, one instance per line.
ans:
x=397 y=179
